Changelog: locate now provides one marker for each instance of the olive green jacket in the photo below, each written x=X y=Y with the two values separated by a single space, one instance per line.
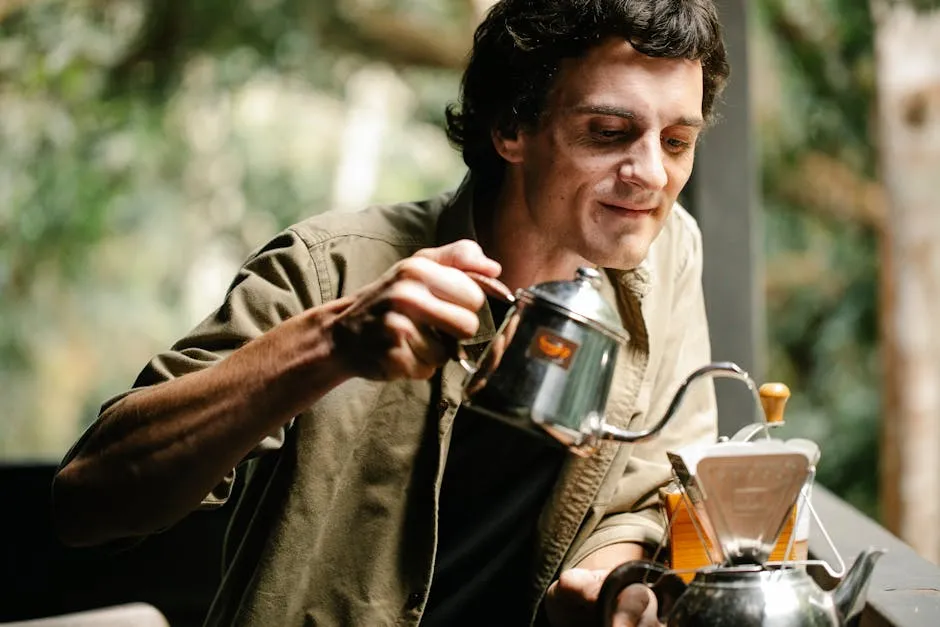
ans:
x=338 y=527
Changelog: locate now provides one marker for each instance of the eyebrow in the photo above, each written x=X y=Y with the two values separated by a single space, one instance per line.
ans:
x=620 y=112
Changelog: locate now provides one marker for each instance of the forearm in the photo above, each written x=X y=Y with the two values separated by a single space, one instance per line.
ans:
x=155 y=454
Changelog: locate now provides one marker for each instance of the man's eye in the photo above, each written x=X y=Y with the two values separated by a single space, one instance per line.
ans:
x=608 y=134
x=676 y=145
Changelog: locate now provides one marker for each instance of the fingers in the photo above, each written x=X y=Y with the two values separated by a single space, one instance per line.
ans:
x=571 y=598
x=465 y=255
x=417 y=354
x=636 y=607
x=433 y=289
x=399 y=325
x=584 y=583
x=414 y=300
x=442 y=281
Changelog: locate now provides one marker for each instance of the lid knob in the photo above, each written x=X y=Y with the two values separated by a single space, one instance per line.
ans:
x=773 y=398
x=588 y=275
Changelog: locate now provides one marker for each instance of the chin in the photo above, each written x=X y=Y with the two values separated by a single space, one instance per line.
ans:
x=616 y=261
x=620 y=249
x=628 y=263
x=623 y=256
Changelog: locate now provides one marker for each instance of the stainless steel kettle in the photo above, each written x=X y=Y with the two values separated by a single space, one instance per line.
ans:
x=550 y=366
x=744 y=596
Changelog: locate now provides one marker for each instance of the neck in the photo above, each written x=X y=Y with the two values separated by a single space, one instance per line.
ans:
x=508 y=233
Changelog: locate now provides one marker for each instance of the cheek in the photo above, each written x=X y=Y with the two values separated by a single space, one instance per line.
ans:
x=566 y=176
x=577 y=162
x=678 y=175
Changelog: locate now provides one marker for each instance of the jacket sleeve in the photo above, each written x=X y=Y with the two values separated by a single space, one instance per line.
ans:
x=634 y=513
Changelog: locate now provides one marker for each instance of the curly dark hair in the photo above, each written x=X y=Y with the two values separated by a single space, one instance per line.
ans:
x=519 y=47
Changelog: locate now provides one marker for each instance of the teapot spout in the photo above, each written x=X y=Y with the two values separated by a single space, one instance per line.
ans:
x=603 y=431
x=849 y=595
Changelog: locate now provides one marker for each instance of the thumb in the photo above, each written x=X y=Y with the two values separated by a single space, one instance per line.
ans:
x=573 y=596
x=636 y=607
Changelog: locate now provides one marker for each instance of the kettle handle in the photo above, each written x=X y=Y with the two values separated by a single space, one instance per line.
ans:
x=491 y=287
x=667 y=587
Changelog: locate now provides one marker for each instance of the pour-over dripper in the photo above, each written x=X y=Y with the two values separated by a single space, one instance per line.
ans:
x=747 y=495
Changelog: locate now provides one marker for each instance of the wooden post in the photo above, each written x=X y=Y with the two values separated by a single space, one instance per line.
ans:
x=722 y=196
x=907 y=50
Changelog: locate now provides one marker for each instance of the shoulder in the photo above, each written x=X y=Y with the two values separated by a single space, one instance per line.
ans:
x=346 y=250
x=406 y=225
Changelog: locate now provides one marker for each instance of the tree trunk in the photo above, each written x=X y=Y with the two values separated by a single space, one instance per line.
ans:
x=907 y=46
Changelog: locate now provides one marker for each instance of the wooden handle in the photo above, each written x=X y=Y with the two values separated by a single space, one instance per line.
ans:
x=773 y=398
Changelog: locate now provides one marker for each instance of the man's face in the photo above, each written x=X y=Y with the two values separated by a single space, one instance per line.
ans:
x=614 y=148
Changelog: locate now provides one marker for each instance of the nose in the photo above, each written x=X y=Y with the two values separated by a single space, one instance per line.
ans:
x=644 y=166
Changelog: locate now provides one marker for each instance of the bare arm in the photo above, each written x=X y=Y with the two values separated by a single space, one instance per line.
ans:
x=163 y=448
x=157 y=452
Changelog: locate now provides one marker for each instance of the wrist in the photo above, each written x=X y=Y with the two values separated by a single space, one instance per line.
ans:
x=323 y=356
x=296 y=363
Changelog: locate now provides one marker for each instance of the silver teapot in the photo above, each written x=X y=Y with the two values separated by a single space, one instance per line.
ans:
x=744 y=596
x=550 y=366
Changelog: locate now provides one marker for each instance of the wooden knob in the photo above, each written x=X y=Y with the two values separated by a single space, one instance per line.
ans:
x=773 y=398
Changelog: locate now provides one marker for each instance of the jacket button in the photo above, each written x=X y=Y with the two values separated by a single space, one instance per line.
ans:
x=443 y=406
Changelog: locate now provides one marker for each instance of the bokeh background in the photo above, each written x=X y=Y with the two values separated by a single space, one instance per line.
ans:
x=147 y=147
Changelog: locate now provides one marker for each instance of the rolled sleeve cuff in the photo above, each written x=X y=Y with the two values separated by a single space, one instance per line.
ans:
x=222 y=492
x=219 y=495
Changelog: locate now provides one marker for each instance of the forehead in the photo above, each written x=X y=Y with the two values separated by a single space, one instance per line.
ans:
x=614 y=74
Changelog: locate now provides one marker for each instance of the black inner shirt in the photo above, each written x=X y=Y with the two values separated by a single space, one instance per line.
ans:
x=496 y=480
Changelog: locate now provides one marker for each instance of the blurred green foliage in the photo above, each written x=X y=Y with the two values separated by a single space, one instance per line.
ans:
x=818 y=166
x=146 y=148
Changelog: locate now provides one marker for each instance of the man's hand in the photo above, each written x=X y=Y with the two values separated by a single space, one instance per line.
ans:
x=391 y=329
x=571 y=601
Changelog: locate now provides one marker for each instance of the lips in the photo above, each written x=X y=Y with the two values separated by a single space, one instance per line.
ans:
x=624 y=208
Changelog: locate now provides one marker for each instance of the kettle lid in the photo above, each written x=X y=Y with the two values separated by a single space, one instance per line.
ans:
x=582 y=299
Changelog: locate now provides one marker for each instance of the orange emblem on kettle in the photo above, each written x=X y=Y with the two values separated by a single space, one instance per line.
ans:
x=552 y=348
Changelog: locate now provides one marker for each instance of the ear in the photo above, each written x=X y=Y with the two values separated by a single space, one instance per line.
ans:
x=509 y=144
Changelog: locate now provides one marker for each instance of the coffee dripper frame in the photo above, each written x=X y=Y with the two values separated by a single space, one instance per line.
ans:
x=835 y=569
x=771 y=397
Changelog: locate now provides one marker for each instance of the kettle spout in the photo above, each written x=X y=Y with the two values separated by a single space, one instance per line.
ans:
x=603 y=431
x=849 y=595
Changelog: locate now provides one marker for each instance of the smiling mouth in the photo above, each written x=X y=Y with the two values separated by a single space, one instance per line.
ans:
x=627 y=210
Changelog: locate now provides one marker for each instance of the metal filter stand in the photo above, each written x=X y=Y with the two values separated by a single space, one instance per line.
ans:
x=772 y=398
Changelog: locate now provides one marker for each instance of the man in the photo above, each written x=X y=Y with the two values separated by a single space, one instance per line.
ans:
x=323 y=379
